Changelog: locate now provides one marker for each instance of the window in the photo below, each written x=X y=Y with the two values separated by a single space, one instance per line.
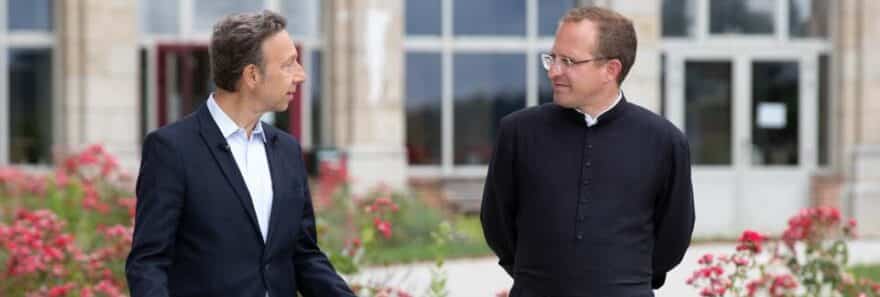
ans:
x=423 y=17
x=302 y=17
x=775 y=90
x=489 y=17
x=30 y=106
x=742 y=16
x=30 y=15
x=27 y=90
x=423 y=110
x=678 y=18
x=808 y=18
x=159 y=16
x=549 y=14
x=709 y=107
x=487 y=87
x=468 y=64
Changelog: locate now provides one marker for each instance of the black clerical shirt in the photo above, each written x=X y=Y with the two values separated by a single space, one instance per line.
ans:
x=573 y=210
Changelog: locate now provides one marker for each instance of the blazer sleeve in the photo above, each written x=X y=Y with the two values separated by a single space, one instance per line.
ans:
x=315 y=275
x=498 y=208
x=160 y=193
x=673 y=214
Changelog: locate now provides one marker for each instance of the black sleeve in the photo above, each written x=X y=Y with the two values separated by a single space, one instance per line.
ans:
x=673 y=214
x=315 y=275
x=160 y=194
x=498 y=208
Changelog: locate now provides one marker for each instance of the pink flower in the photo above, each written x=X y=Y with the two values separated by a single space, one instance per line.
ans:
x=59 y=291
x=384 y=227
x=750 y=241
x=782 y=284
x=706 y=259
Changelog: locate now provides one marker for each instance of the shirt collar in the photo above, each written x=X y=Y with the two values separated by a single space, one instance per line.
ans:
x=591 y=121
x=227 y=126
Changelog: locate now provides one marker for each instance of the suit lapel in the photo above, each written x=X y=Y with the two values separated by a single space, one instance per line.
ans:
x=275 y=169
x=218 y=147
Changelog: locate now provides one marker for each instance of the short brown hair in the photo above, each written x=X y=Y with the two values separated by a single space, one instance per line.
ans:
x=236 y=42
x=617 y=37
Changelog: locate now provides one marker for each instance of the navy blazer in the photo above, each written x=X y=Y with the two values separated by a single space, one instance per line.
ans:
x=196 y=232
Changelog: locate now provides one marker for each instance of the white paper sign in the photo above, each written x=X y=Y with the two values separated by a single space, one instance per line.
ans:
x=771 y=115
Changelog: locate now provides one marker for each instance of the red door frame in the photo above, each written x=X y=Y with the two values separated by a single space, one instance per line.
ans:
x=163 y=50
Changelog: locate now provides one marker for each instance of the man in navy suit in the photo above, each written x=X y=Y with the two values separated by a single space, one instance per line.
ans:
x=223 y=204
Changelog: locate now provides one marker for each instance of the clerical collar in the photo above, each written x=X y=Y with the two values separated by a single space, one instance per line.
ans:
x=590 y=120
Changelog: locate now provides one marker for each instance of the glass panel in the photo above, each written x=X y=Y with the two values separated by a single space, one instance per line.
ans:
x=208 y=12
x=678 y=18
x=30 y=106
x=189 y=84
x=808 y=18
x=775 y=136
x=159 y=16
x=303 y=17
x=549 y=14
x=487 y=87
x=742 y=16
x=490 y=17
x=423 y=17
x=708 y=111
x=35 y=15
x=824 y=109
x=423 y=108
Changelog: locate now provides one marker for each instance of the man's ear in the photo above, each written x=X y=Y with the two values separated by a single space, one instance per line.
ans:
x=250 y=76
x=613 y=69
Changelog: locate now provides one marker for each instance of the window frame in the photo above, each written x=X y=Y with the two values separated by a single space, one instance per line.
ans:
x=28 y=39
x=447 y=44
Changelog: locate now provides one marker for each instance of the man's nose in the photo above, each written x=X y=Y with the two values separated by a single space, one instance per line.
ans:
x=299 y=75
x=554 y=71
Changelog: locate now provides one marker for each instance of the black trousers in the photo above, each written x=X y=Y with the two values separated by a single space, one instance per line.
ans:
x=520 y=291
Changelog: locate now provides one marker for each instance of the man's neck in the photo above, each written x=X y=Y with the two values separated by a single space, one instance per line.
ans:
x=595 y=106
x=239 y=109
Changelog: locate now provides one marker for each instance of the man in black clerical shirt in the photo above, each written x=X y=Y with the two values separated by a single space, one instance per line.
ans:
x=590 y=195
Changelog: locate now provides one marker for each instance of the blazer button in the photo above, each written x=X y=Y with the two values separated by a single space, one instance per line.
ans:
x=580 y=236
x=588 y=164
x=267 y=267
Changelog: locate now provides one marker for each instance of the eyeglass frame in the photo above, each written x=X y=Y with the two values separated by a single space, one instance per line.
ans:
x=570 y=62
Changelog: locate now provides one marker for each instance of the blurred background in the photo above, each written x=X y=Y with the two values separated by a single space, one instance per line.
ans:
x=774 y=95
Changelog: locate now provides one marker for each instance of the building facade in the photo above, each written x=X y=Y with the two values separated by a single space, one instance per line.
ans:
x=775 y=96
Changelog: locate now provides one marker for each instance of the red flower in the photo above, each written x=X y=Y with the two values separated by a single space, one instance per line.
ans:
x=750 y=241
x=753 y=286
x=781 y=284
x=384 y=227
x=59 y=291
x=706 y=259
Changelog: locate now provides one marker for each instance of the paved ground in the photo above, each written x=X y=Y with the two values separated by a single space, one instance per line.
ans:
x=482 y=277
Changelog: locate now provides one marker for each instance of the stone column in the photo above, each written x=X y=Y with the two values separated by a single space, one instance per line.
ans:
x=97 y=41
x=857 y=81
x=642 y=84
x=365 y=89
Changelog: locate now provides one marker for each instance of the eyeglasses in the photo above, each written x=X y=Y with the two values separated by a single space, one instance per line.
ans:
x=547 y=60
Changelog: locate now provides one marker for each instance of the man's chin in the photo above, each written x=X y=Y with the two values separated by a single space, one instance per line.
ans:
x=563 y=102
x=281 y=107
